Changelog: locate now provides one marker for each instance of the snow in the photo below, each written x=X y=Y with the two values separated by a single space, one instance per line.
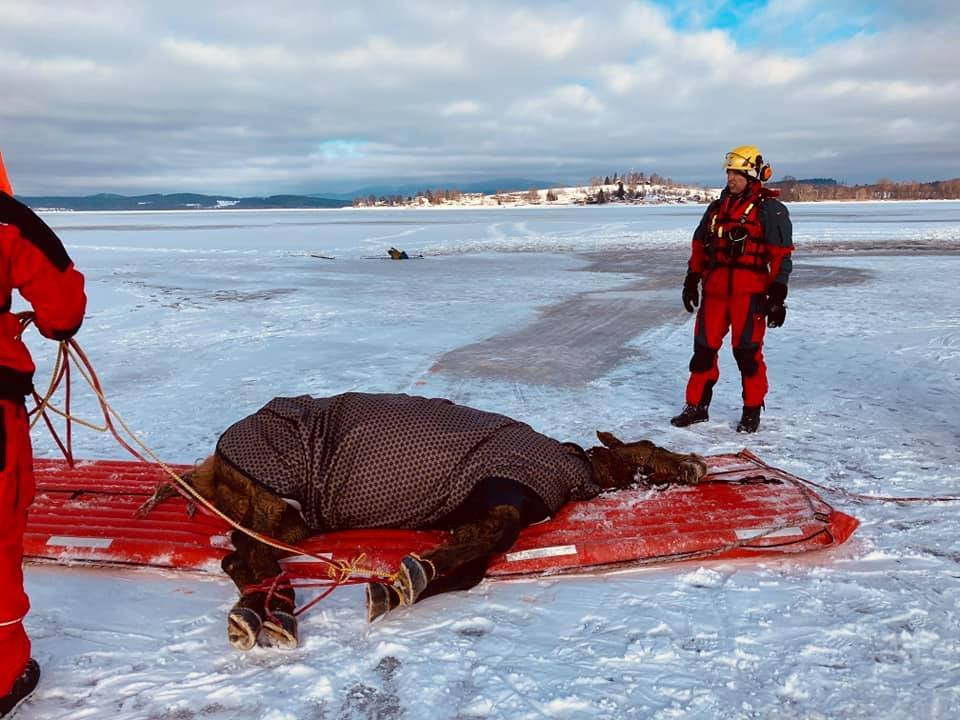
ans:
x=569 y=319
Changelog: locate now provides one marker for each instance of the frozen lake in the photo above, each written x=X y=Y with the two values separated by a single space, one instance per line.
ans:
x=568 y=319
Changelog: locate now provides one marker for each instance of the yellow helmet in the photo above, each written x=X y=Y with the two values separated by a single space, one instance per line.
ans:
x=748 y=160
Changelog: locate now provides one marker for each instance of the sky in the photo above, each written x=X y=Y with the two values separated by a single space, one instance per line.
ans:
x=251 y=99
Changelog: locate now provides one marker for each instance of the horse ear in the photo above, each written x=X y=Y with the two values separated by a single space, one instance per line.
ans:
x=609 y=439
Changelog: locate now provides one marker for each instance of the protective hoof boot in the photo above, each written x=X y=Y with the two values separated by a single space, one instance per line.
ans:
x=279 y=631
x=25 y=684
x=243 y=627
x=412 y=580
x=749 y=420
x=381 y=599
x=689 y=415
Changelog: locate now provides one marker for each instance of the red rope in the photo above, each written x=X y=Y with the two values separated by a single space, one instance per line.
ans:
x=271 y=585
x=62 y=375
x=856 y=497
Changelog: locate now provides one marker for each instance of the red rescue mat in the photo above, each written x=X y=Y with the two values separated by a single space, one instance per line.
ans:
x=743 y=508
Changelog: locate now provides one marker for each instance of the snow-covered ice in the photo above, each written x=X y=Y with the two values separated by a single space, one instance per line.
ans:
x=197 y=319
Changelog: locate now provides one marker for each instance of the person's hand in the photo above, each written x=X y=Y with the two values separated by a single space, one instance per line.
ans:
x=776 y=316
x=691 y=291
x=776 y=310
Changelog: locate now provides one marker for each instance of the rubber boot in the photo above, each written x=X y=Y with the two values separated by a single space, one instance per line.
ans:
x=381 y=599
x=25 y=684
x=280 y=628
x=750 y=419
x=414 y=576
x=245 y=620
x=689 y=415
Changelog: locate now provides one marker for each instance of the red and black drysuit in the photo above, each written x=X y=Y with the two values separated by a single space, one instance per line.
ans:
x=34 y=262
x=740 y=250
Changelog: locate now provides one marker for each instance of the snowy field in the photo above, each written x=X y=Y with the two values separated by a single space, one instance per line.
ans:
x=569 y=319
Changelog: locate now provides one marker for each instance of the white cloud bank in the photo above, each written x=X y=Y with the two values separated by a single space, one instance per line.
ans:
x=238 y=97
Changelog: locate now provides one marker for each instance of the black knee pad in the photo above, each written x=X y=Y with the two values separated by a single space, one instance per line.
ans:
x=702 y=359
x=746 y=360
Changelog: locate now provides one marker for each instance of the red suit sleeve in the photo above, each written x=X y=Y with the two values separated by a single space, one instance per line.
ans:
x=42 y=271
x=779 y=240
x=698 y=253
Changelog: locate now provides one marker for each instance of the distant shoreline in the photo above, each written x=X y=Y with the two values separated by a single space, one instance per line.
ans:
x=450 y=206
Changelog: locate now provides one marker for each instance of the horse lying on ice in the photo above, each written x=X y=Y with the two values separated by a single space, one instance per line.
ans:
x=366 y=461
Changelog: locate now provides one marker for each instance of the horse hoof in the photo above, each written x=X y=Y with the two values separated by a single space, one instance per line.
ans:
x=381 y=599
x=412 y=579
x=279 y=631
x=243 y=626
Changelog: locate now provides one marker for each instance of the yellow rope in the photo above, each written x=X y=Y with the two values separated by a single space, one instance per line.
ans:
x=339 y=570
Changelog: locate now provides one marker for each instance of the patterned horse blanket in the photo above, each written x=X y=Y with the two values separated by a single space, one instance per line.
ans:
x=361 y=460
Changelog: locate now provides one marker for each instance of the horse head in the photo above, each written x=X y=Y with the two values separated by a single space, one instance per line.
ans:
x=618 y=464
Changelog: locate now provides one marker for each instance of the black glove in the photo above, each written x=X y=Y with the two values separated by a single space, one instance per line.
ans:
x=691 y=291
x=775 y=308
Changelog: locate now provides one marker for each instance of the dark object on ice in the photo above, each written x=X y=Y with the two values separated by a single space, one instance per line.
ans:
x=689 y=415
x=362 y=460
x=22 y=687
x=398 y=254
x=749 y=420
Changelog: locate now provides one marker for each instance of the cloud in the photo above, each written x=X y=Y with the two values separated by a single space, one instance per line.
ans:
x=527 y=32
x=227 y=97
x=460 y=107
x=563 y=103
x=230 y=59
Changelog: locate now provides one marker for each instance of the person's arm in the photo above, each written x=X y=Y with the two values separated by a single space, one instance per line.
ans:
x=779 y=243
x=698 y=246
x=697 y=262
x=42 y=271
x=779 y=240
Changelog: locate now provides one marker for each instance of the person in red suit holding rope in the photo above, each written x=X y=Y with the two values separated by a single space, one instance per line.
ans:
x=33 y=262
x=741 y=254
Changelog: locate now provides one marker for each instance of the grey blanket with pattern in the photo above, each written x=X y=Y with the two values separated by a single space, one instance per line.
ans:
x=361 y=460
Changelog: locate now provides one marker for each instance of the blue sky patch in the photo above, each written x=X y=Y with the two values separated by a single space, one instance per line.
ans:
x=749 y=24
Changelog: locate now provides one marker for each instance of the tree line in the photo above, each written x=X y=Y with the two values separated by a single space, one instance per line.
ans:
x=429 y=197
x=635 y=186
x=630 y=186
x=795 y=190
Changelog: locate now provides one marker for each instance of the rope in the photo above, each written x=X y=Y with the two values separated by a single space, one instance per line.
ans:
x=341 y=571
x=854 y=497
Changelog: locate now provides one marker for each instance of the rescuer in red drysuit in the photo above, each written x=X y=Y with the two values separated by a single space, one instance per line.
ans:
x=32 y=261
x=741 y=254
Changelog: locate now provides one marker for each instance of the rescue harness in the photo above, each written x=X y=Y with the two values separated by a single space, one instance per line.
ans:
x=735 y=236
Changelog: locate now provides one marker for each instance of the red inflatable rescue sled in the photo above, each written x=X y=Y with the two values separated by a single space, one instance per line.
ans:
x=744 y=508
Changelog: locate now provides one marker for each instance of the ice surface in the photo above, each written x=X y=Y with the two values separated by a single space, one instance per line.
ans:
x=198 y=318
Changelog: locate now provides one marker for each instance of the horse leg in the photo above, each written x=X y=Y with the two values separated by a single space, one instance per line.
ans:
x=245 y=618
x=263 y=614
x=488 y=521
x=460 y=563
